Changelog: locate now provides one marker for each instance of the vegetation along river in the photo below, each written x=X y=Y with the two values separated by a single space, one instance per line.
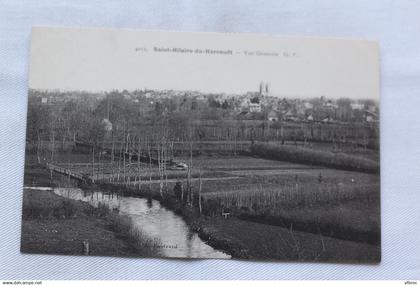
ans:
x=156 y=222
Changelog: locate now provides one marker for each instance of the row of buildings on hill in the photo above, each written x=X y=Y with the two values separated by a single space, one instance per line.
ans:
x=251 y=105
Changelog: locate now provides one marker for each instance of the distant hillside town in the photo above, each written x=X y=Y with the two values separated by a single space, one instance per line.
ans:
x=252 y=105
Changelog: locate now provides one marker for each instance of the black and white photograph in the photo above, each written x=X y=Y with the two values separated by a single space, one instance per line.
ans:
x=154 y=144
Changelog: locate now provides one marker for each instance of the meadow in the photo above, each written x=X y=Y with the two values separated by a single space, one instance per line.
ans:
x=315 y=157
x=315 y=201
x=349 y=212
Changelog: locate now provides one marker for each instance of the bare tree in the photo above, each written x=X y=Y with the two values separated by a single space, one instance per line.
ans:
x=112 y=160
x=38 y=146
x=160 y=168
x=150 y=165
x=93 y=163
x=52 y=146
x=199 y=192
x=124 y=163
x=190 y=194
x=119 y=161
x=138 y=162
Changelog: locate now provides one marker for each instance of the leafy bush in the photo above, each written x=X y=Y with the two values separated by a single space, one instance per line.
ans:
x=45 y=204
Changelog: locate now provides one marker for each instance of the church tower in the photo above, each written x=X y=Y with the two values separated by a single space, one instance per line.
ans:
x=264 y=88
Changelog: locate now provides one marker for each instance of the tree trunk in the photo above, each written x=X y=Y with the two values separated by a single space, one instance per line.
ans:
x=119 y=162
x=165 y=160
x=112 y=161
x=93 y=163
x=182 y=192
x=53 y=146
x=160 y=170
x=190 y=175
x=125 y=151
x=199 y=193
x=138 y=163
x=150 y=167
x=37 y=149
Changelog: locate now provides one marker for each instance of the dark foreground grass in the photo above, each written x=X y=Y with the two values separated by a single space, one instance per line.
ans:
x=56 y=225
x=350 y=220
x=245 y=239
x=260 y=241
x=39 y=175
x=348 y=211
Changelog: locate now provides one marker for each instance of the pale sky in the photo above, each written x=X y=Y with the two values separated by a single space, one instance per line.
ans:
x=102 y=60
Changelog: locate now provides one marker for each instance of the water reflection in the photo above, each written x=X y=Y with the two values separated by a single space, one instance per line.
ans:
x=155 y=221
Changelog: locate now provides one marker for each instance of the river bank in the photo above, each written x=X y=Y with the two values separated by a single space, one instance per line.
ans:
x=66 y=235
x=55 y=225
x=243 y=239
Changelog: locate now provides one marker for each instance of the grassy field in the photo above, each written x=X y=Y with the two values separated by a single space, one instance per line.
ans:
x=342 y=204
x=248 y=179
x=350 y=213
x=278 y=209
x=262 y=241
x=55 y=225
x=315 y=157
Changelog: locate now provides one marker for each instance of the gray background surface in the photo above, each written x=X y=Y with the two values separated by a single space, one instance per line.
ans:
x=395 y=24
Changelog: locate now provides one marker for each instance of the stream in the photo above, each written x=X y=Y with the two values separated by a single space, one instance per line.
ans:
x=155 y=221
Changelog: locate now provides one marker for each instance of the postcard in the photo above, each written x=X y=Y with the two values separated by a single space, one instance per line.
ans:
x=202 y=145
